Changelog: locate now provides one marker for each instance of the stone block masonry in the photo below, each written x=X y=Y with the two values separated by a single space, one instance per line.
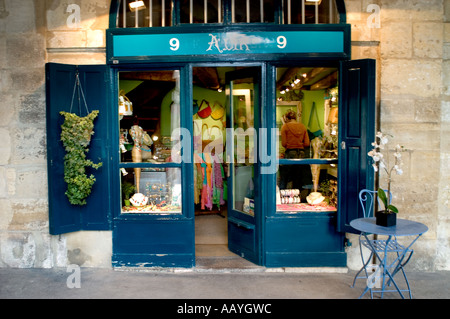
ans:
x=412 y=49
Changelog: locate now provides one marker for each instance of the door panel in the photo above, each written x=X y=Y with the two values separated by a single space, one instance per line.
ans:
x=60 y=80
x=243 y=109
x=356 y=132
x=154 y=225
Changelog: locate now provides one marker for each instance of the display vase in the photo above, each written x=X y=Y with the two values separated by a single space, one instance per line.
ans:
x=386 y=220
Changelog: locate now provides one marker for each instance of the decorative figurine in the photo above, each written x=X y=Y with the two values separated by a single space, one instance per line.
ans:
x=141 y=150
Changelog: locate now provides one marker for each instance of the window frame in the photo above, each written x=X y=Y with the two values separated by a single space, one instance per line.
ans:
x=271 y=122
x=117 y=165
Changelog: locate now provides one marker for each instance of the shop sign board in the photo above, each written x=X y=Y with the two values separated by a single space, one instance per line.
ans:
x=221 y=43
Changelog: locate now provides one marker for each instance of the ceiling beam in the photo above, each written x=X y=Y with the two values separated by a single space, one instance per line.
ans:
x=329 y=81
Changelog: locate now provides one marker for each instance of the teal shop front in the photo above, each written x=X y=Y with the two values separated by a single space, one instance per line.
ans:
x=189 y=133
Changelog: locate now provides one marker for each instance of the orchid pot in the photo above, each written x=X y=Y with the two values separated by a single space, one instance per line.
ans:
x=385 y=219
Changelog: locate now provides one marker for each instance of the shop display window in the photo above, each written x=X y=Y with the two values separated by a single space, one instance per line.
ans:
x=158 y=190
x=149 y=111
x=300 y=193
x=307 y=119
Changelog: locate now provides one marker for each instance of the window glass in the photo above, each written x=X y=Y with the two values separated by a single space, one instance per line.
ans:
x=151 y=190
x=242 y=104
x=149 y=111
x=309 y=12
x=252 y=11
x=307 y=119
x=305 y=188
x=144 y=14
x=197 y=13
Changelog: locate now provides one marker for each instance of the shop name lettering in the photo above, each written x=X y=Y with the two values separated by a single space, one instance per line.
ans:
x=225 y=309
x=240 y=42
x=228 y=44
x=234 y=41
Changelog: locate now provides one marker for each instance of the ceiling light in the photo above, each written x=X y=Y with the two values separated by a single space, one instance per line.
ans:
x=313 y=2
x=137 y=5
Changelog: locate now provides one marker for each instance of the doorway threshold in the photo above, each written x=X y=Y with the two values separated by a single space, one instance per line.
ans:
x=203 y=265
x=226 y=264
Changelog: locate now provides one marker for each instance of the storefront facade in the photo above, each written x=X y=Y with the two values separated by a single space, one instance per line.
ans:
x=269 y=224
x=407 y=41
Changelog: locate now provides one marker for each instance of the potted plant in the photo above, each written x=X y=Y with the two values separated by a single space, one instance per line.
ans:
x=76 y=133
x=127 y=189
x=387 y=216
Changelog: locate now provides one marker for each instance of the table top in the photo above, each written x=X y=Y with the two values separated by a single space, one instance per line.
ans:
x=404 y=227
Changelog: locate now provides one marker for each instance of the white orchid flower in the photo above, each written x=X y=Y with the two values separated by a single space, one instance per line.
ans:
x=398 y=170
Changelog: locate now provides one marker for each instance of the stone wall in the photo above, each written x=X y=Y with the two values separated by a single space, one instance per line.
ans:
x=412 y=52
x=24 y=239
x=409 y=39
x=31 y=34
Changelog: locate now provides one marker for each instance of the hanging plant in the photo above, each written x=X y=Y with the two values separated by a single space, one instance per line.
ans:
x=76 y=135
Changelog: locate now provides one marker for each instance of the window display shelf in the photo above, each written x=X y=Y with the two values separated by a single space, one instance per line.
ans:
x=305 y=161
x=305 y=207
x=151 y=209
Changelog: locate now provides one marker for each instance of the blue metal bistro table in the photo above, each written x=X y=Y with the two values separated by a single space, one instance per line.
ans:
x=386 y=270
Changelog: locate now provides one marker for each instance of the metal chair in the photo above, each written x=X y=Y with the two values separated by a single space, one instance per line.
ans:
x=376 y=245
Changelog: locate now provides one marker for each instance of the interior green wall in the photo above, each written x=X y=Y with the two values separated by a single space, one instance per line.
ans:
x=199 y=94
x=308 y=98
x=307 y=101
x=213 y=96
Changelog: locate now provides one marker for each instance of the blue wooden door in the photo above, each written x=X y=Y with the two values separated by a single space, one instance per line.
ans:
x=159 y=232
x=243 y=121
x=60 y=83
x=356 y=133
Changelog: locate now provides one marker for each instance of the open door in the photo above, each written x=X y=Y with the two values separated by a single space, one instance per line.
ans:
x=356 y=133
x=243 y=114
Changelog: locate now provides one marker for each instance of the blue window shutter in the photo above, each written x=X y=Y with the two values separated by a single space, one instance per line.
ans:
x=356 y=133
x=60 y=79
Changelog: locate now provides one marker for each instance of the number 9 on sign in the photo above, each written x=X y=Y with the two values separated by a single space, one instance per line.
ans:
x=174 y=44
x=281 y=42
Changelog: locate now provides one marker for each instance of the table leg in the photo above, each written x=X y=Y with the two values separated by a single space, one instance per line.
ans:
x=365 y=263
x=383 y=262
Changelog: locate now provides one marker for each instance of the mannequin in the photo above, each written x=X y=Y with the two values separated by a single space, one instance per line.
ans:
x=141 y=150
